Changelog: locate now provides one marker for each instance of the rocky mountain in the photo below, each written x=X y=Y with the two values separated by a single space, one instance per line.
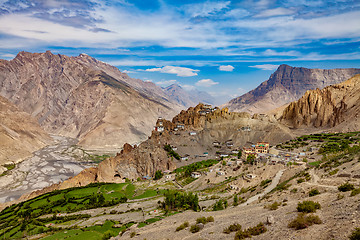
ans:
x=336 y=106
x=188 y=98
x=285 y=85
x=84 y=98
x=20 y=134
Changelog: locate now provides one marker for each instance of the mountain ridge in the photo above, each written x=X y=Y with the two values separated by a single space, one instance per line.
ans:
x=61 y=92
x=188 y=98
x=285 y=85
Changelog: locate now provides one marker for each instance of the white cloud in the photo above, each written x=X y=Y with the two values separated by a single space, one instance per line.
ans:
x=237 y=13
x=206 y=83
x=187 y=87
x=179 y=71
x=166 y=82
x=226 y=68
x=7 y=56
x=206 y=8
x=270 y=52
x=275 y=12
x=128 y=71
x=266 y=66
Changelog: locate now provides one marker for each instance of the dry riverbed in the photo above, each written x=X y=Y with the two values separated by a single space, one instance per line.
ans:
x=47 y=166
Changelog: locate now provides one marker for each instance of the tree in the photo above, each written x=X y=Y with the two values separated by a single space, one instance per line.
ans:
x=236 y=200
x=158 y=175
x=239 y=154
x=250 y=159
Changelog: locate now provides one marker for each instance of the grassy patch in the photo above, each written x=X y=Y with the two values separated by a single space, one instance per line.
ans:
x=315 y=164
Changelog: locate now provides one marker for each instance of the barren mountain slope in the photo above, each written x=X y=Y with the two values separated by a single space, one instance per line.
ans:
x=334 y=106
x=285 y=85
x=188 y=99
x=83 y=98
x=20 y=134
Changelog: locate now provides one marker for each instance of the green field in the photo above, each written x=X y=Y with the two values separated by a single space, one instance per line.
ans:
x=26 y=218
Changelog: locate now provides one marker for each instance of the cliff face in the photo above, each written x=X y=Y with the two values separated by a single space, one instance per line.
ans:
x=285 y=85
x=84 y=98
x=334 y=106
x=20 y=134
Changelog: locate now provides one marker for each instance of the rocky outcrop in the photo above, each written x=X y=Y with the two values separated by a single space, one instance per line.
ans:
x=84 y=98
x=330 y=107
x=20 y=134
x=285 y=85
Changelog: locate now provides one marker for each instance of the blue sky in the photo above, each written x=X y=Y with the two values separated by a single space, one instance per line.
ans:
x=223 y=47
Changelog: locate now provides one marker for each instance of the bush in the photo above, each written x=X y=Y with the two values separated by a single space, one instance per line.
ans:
x=252 y=231
x=194 y=228
x=346 y=187
x=308 y=206
x=201 y=220
x=355 y=192
x=300 y=180
x=313 y=192
x=182 y=226
x=107 y=235
x=232 y=228
x=132 y=234
x=210 y=219
x=302 y=221
x=273 y=206
x=220 y=205
x=355 y=235
x=205 y=220
x=257 y=230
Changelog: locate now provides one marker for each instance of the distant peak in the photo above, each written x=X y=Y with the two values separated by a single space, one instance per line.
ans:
x=83 y=55
x=284 y=66
x=174 y=85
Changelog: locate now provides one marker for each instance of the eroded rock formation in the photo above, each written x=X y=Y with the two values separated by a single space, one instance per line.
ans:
x=329 y=107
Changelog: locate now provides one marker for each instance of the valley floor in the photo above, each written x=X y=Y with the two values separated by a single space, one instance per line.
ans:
x=49 y=165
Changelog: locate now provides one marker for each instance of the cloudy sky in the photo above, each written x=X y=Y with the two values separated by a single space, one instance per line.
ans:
x=223 y=47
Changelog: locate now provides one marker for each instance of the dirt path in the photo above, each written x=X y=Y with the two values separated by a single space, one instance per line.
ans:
x=273 y=184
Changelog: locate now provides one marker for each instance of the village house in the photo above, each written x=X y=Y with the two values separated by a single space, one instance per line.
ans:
x=195 y=174
x=166 y=172
x=220 y=173
x=249 y=151
x=234 y=187
x=159 y=128
x=186 y=157
x=146 y=178
x=245 y=129
x=192 y=133
x=216 y=143
x=262 y=147
x=180 y=126
x=203 y=112
x=224 y=155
